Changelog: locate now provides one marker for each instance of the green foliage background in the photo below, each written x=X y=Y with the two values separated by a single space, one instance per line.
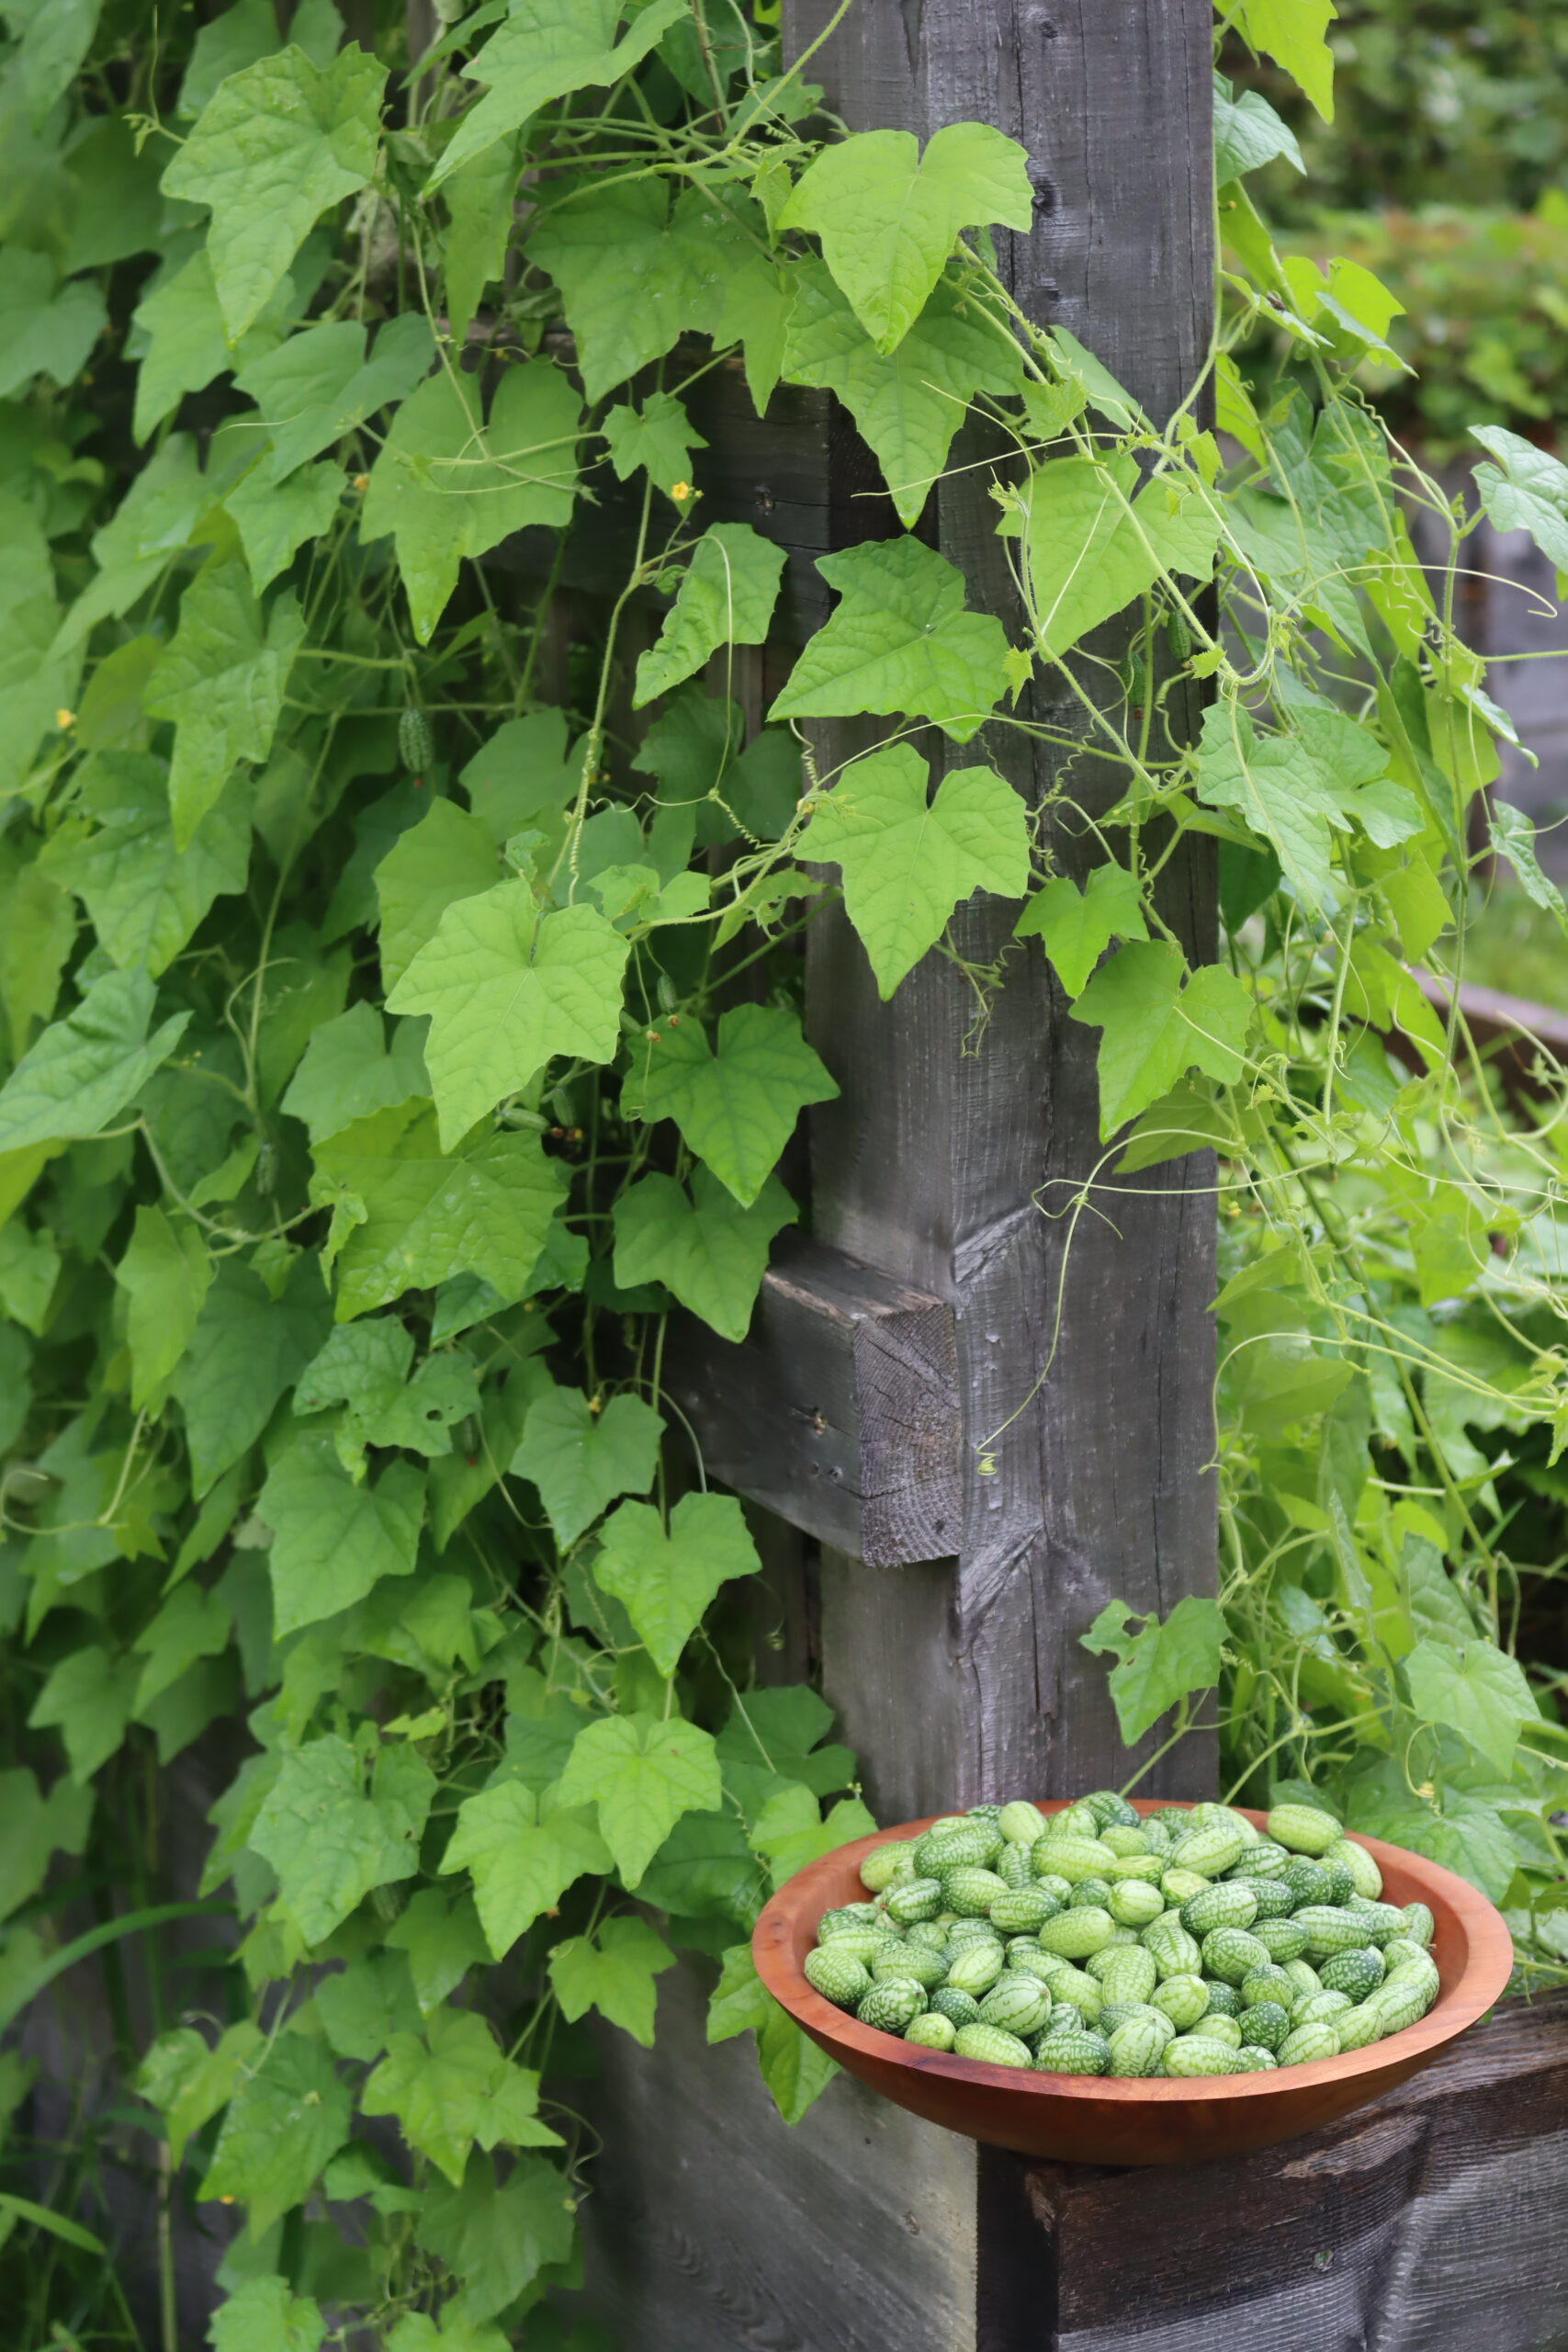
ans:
x=399 y=989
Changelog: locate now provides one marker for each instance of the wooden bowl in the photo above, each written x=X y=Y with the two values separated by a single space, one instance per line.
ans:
x=1086 y=2119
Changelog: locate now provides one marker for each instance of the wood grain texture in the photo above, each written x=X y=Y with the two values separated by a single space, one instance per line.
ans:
x=956 y=1153
x=840 y=1411
x=1431 y=2220
x=714 y=2224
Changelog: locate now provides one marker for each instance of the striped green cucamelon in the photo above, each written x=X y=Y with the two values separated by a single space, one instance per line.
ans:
x=940 y=1850
x=1420 y=1924
x=975 y=1968
x=1134 y=1903
x=1356 y=1973
x=1225 y=2000
x=1192 y=2055
x=1307 y=1879
x=1231 y=1953
x=1125 y=1840
x=1263 y=1858
x=958 y=2007
x=927 y=1967
x=1317 y=2008
x=1073 y=1935
x=1019 y=2004
x=1380 y=1922
x=1305 y=2044
x=1209 y=1851
x=1357 y=2027
x=1071 y=1858
x=915 y=1900
x=1303 y=1828
x=1251 y=2060
x=1179 y=1886
x=836 y=1976
x=1110 y=1810
x=1219 y=2027
x=1282 y=1940
x=1012 y=1867
x=1265 y=2024
x=931 y=2031
x=1328 y=1929
x=1072 y=2052
x=1184 y=2000
x=1138 y=2045
x=970 y=1890
x=1025 y=1910
x=1021 y=1824
x=1124 y=1972
x=1176 y=1952
x=1269 y=1984
x=989 y=2046
x=1271 y=1897
x=891 y=2003
x=1226 y=1905
x=885 y=1863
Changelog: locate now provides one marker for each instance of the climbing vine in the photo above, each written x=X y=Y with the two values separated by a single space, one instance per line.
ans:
x=399 y=976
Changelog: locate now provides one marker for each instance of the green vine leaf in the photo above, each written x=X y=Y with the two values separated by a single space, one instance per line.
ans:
x=506 y=988
x=333 y=1540
x=725 y=597
x=736 y=1108
x=265 y=2315
x=899 y=640
x=248 y=1347
x=222 y=682
x=1248 y=135
x=146 y=896
x=190 y=1626
x=350 y=1070
x=523 y=1852
x=907 y=403
x=274 y=519
x=1476 y=1688
x=1524 y=489
x=1089 y=556
x=429 y=1215
x=285 y=2122
x=188 y=2082
x=656 y=436
x=614 y=1972
x=703 y=1244
x=1294 y=33
x=1296 y=790
x=42 y=331
x=1077 y=926
x=546 y=50
x=33 y=1827
x=496 y=2237
x=634 y=273
x=1161 y=1662
x=275 y=145
x=449 y=856
x=642 y=1775
x=887 y=215
x=329 y=1842
x=88 y=1698
x=446 y=485
x=85 y=1070
x=319 y=384
x=580 y=1459
x=442 y=1939
x=165 y=1274
x=1156 y=1024
x=665 y=1580
x=907 y=859
x=452 y=2088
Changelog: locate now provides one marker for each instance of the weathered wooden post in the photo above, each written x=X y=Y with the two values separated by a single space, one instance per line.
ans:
x=943 y=1297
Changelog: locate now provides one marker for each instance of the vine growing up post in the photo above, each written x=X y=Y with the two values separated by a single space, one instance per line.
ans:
x=399 y=988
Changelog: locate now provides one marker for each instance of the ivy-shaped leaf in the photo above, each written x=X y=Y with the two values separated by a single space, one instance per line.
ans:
x=146 y=896
x=1077 y=926
x=446 y=485
x=329 y=1841
x=1475 y=1688
x=899 y=640
x=614 y=1972
x=908 y=858
x=545 y=50
x=334 y=1540
x=580 y=1458
x=350 y=1071
x=725 y=597
x=428 y=1215
x=634 y=273
x=522 y=1853
x=85 y=1070
x=1159 y=1663
x=266 y=2315
x=452 y=2088
x=657 y=437
x=703 y=1244
x=887 y=215
x=506 y=988
x=165 y=1273
x=284 y=2123
x=642 y=1774
x=222 y=682
x=319 y=384
x=737 y=1107
x=247 y=1348
x=275 y=145
x=665 y=1580
x=1296 y=790
x=1159 y=1022
x=1089 y=556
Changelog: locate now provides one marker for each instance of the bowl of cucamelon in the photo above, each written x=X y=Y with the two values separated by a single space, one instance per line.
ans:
x=1118 y=1982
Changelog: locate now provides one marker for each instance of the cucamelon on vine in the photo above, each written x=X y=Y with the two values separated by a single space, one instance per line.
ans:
x=1182 y=1943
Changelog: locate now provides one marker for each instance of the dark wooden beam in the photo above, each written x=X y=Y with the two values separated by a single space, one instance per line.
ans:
x=840 y=1411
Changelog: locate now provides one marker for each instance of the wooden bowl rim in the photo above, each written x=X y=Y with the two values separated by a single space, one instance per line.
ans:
x=1489 y=1960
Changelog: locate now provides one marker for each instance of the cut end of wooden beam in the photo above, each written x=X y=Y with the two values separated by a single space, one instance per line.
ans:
x=840 y=1410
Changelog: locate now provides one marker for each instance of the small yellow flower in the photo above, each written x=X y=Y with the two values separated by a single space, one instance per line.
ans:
x=680 y=492
x=1426 y=1790
x=64 y=719
x=361 y=483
